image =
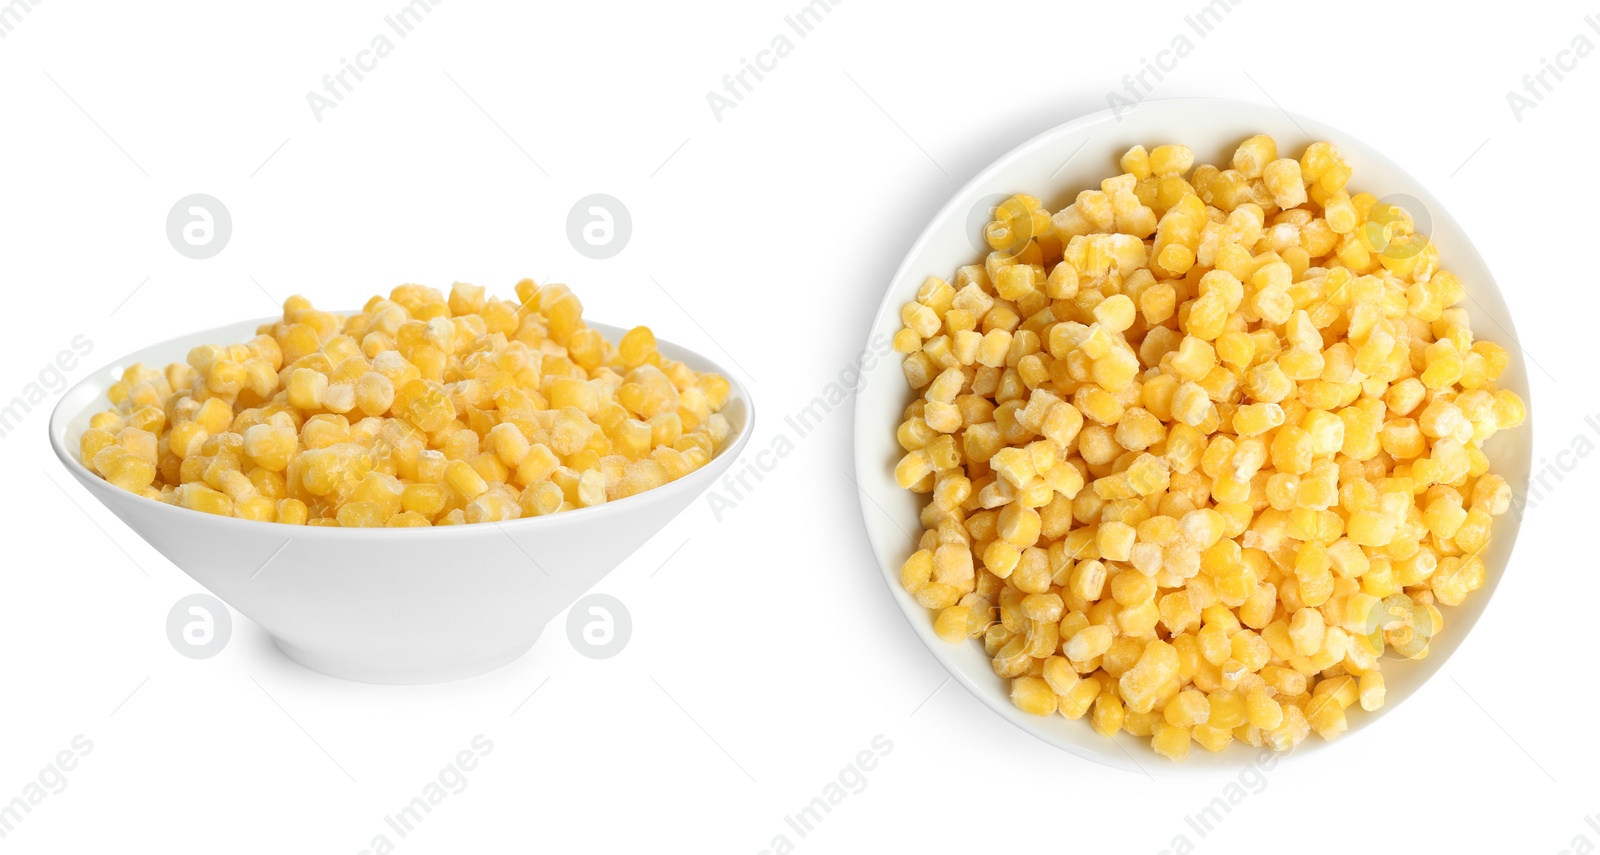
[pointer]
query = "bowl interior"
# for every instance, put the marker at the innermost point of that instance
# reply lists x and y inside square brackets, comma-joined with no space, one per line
[78,404]
[1055,166]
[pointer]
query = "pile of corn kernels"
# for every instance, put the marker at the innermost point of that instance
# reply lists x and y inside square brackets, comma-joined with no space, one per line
[419,410]
[1201,448]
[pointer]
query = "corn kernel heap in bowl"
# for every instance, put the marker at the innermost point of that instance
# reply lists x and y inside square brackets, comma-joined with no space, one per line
[1201,448]
[419,410]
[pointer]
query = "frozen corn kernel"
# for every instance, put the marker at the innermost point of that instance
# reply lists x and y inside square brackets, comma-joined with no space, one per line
[1170,741]
[1290,732]
[541,498]
[424,499]
[1212,467]
[131,472]
[305,388]
[951,625]
[270,446]
[360,515]
[199,497]
[418,410]
[1170,159]
[465,481]
[1033,695]
[1108,714]
[1077,701]
[1088,643]
[374,393]
[1189,708]
[1256,419]
[292,512]
[1283,180]
[1254,154]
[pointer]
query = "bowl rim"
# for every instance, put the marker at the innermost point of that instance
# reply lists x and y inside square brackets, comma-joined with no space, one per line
[691,484]
[996,702]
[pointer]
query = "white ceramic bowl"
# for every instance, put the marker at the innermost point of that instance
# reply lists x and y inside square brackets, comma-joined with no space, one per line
[418,605]
[1055,166]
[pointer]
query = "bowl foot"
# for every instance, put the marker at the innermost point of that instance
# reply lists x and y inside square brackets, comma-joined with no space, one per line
[395,670]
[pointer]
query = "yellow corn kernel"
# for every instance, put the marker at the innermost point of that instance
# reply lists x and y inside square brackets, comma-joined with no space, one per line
[1170,741]
[1340,214]
[1371,528]
[1170,159]
[1194,359]
[199,497]
[95,440]
[1472,536]
[1284,181]
[1090,642]
[1262,710]
[1114,540]
[1108,714]
[1509,411]
[1142,684]
[1326,716]
[1294,730]
[951,624]
[306,387]
[1371,691]
[1077,701]
[1188,709]
[1253,155]
[130,472]
[1191,405]
[1306,630]
[426,405]
[1256,419]
[292,512]
[637,347]
[361,515]
[1207,317]
[540,498]
[465,481]
[374,393]
[1136,161]
[424,499]
[1033,695]
[270,446]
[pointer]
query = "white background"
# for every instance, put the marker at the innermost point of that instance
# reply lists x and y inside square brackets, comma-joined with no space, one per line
[765,653]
